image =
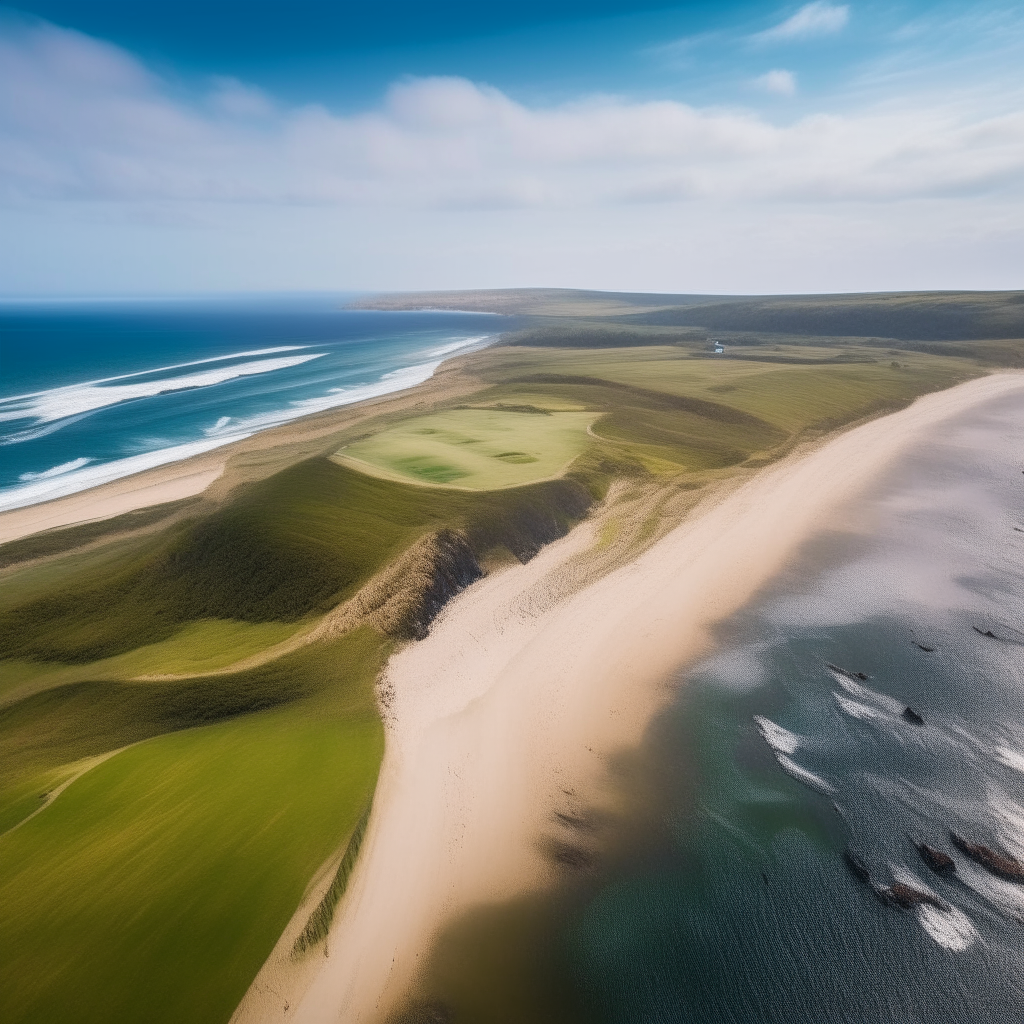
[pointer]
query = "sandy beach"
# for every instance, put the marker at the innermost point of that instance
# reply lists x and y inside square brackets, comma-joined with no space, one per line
[522,693]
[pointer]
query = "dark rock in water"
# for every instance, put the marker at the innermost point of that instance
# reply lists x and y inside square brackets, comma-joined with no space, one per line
[907,897]
[910,715]
[924,647]
[1000,864]
[985,632]
[941,863]
[846,672]
[856,865]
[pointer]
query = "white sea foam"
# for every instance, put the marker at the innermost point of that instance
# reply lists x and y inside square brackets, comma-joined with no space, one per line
[76,399]
[224,431]
[779,739]
[866,695]
[47,474]
[92,476]
[397,380]
[455,346]
[1011,758]
[1010,820]
[164,369]
[856,709]
[803,775]
[950,928]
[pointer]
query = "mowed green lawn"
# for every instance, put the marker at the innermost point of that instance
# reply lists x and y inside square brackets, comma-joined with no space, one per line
[156,885]
[474,449]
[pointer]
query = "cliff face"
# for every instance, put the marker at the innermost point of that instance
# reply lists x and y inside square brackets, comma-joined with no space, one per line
[448,566]
[404,597]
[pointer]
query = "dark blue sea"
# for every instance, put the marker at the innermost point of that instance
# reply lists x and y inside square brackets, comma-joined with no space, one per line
[90,392]
[738,906]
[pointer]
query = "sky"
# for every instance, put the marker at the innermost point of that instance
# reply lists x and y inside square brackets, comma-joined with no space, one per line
[208,146]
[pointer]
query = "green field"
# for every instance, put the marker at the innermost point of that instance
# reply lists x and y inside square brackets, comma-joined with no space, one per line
[474,449]
[155,885]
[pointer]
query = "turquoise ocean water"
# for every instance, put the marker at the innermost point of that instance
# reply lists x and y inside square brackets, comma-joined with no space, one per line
[90,392]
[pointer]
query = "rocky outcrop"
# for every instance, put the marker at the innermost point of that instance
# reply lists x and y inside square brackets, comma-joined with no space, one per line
[910,715]
[862,676]
[939,862]
[907,897]
[999,864]
[857,866]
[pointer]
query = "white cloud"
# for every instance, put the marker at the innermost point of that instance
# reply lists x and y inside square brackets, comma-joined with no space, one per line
[778,81]
[236,99]
[108,174]
[819,18]
[80,120]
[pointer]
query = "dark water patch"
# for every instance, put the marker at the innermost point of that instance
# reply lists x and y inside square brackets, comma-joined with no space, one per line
[790,756]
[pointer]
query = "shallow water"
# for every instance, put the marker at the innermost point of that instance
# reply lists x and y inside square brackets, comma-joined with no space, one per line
[742,908]
[93,392]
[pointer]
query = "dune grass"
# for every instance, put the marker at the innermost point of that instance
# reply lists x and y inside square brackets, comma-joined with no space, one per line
[291,546]
[155,886]
[477,449]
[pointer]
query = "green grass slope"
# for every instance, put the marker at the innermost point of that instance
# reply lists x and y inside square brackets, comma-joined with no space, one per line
[156,885]
[291,546]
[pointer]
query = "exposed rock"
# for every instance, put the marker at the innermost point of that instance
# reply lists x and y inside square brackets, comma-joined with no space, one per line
[856,865]
[924,647]
[863,676]
[941,863]
[910,715]
[1000,864]
[907,897]
[985,632]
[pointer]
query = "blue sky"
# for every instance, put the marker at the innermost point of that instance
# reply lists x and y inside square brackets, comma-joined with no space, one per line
[152,148]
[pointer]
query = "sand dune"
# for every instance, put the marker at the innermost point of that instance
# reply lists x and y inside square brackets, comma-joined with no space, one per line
[519,694]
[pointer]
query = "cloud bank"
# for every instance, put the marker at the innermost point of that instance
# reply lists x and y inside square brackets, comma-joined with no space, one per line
[99,154]
[81,120]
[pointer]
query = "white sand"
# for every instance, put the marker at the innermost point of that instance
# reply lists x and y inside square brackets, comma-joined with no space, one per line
[516,697]
[154,487]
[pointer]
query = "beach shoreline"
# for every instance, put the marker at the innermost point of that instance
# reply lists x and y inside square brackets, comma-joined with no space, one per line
[216,472]
[524,691]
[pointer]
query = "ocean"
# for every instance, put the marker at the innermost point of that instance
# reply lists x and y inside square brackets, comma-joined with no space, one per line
[738,905]
[90,392]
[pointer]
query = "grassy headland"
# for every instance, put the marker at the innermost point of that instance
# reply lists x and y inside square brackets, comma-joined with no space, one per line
[157,883]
